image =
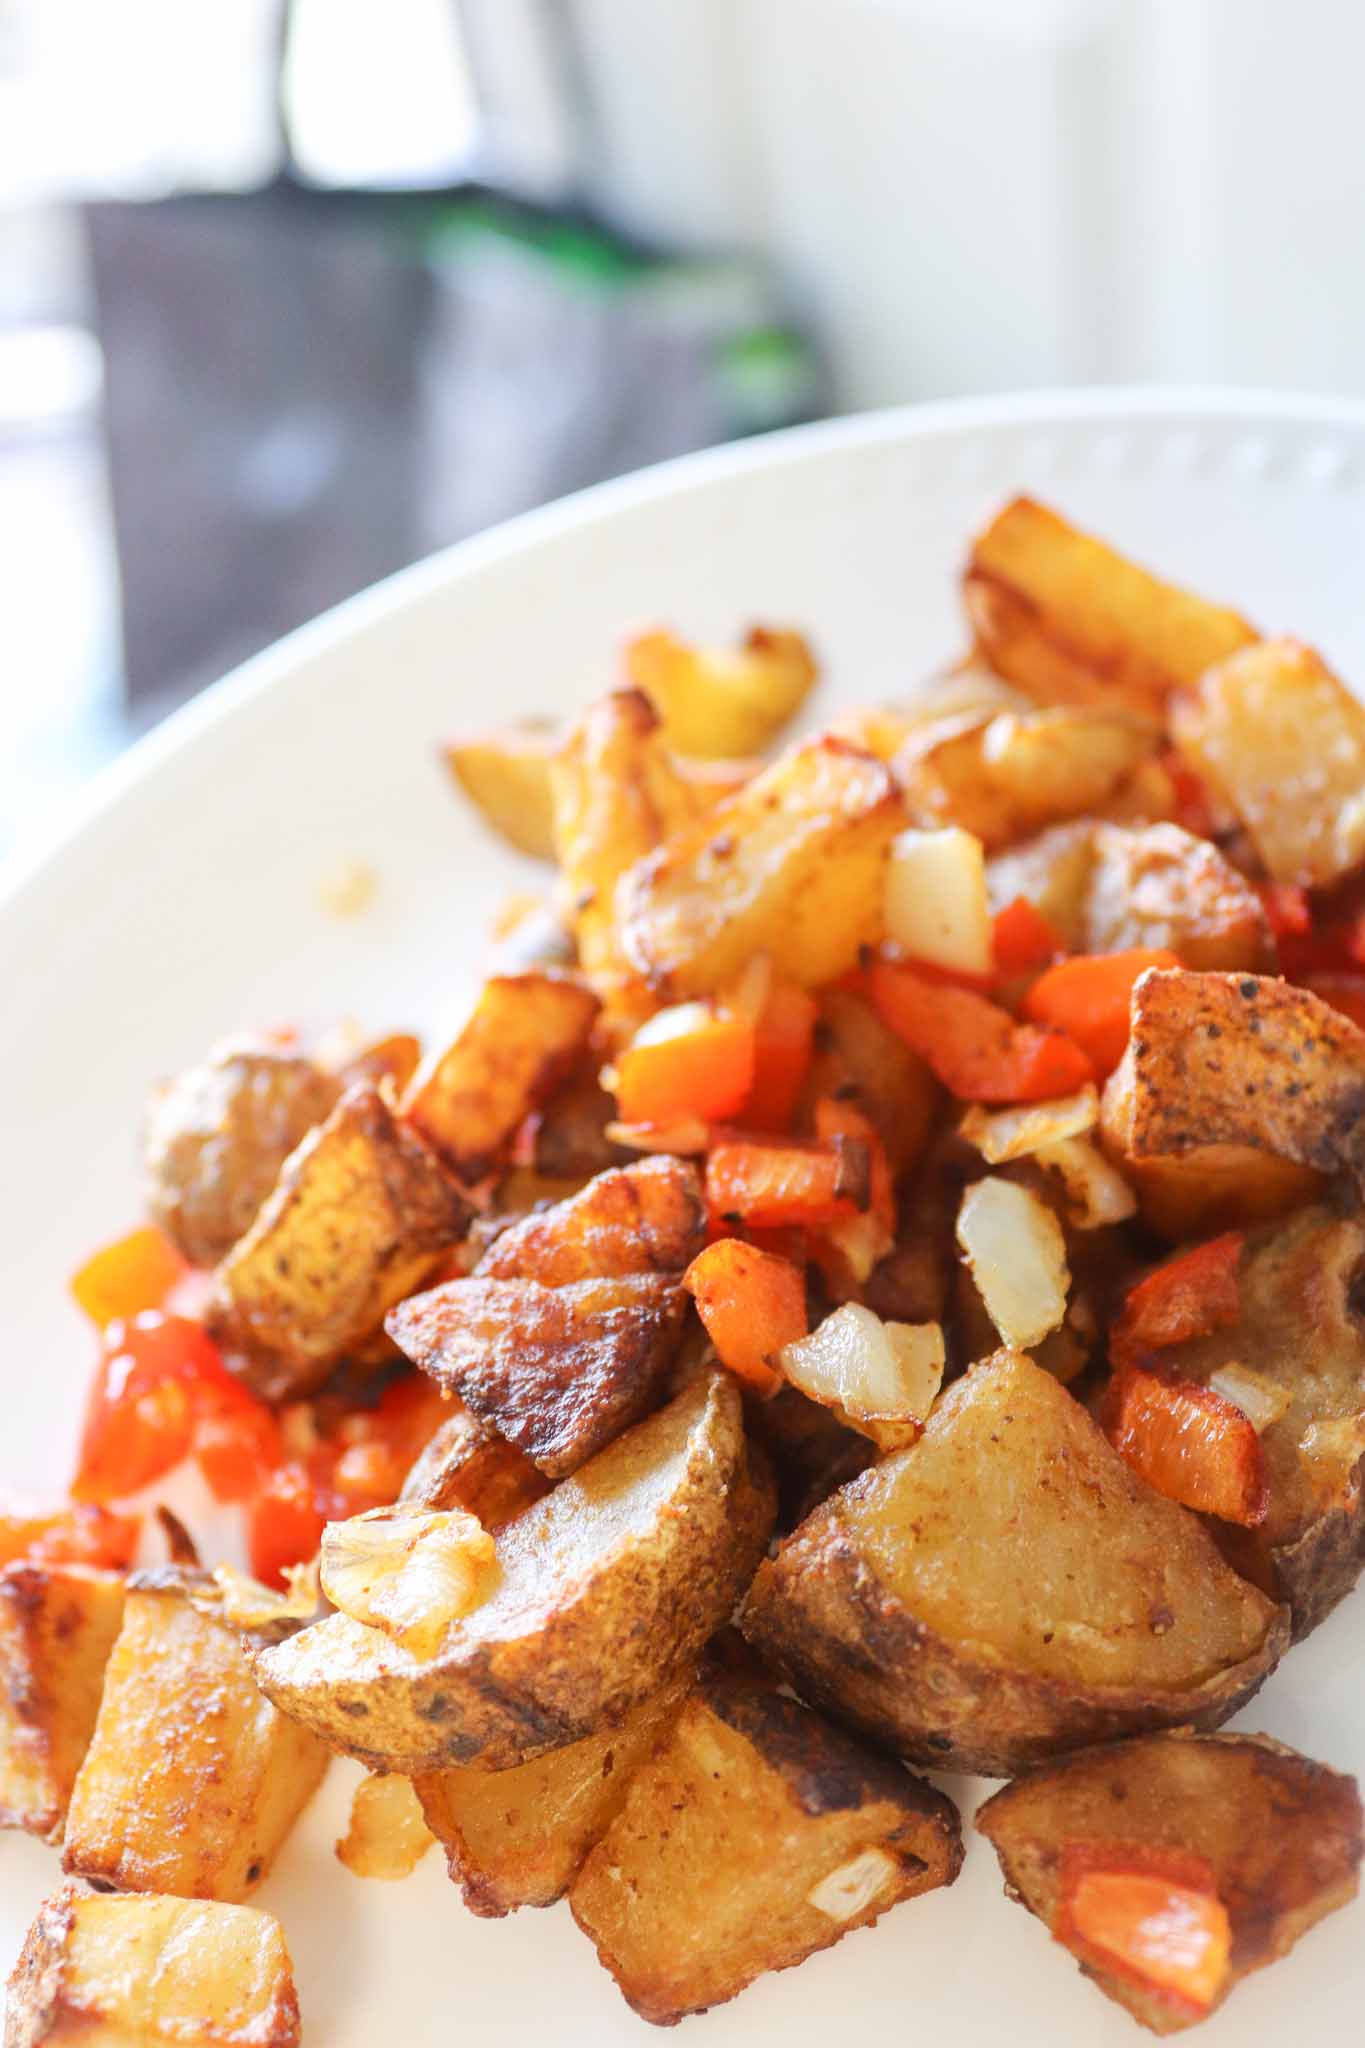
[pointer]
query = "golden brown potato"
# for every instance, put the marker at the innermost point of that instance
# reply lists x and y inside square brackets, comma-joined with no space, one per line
[57,1626]
[1110,887]
[756,1835]
[1282,1836]
[558,1371]
[216,1137]
[151,1973]
[1237,1060]
[1064,617]
[524,1034]
[812,1451]
[387,1836]
[1007,1589]
[719,700]
[468,1465]
[608,1588]
[506,776]
[1020,771]
[1213,1187]
[570,1139]
[393,1058]
[647,1217]
[192,1781]
[360,1214]
[793,866]
[519,1838]
[1282,741]
[1300,1334]
[895,1087]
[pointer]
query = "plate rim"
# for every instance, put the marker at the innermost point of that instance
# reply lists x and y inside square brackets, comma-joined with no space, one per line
[925,420]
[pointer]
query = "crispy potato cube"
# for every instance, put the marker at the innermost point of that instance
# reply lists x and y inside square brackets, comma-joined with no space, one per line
[506,776]
[468,1465]
[968,1605]
[519,1837]
[1215,1187]
[216,1137]
[608,1589]
[1020,771]
[57,1626]
[722,701]
[1067,619]
[558,1371]
[358,1218]
[523,1036]
[1281,1834]
[644,1218]
[387,1836]
[895,1087]
[756,1835]
[1282,741]
[151,1973]
[192,1780]
[793,866]
[1237,1060]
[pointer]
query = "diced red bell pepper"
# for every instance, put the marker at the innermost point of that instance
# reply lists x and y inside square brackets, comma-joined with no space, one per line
[1149,1915]
[1287,909]
[1190,1295]
[847,1252]
[284,1524]
[1089,999]
[751,1304]
[783,1043]
[125,1278]
[976,1049]
[1193,806]
[1022,938]
[1188,1443]
[751,1183]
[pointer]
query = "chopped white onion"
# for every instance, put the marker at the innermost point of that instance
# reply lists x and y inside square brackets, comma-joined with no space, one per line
[1097,1192]
[1261,1400]
[936,903]
[851,1888]
[1017,1254]
[688,1137]
[880,1378]
[1002,1134]
[408,1571]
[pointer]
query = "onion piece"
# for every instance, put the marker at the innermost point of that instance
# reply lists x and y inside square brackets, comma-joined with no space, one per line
[936,903]
[880,1378]
[1017,1255]
[408,1571]
[1004,1134]
[1097,1192]
[853,1886]
[388,1835]
[688,1137]
[1261,1400]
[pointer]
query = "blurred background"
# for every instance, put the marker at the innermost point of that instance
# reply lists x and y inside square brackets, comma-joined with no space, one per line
[294,291]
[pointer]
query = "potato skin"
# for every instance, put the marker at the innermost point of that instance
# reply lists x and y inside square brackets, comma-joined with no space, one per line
[217,1135]
[1283,1834]
[824,1614]
[590,1617]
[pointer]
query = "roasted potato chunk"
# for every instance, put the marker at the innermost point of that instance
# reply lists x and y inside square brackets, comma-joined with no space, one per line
[756,1835]
[718,700]
[192,1781]
[1108,888]
[1065,618]
[895,1088]
[1277,736]
[358,1217]
[558,1371]
[570,1139]
[1007,1589]
[812,1451]
[524,1034]
[608,1588]
[216,1138]
[1282,1836]
[57,1626]
[151,1973]
[644,1218]
[793,866]
[506,776]
[1302,1338]
[1237,1060]
[519,1837]
[468,1465]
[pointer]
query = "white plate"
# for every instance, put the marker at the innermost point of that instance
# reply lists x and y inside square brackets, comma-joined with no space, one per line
[184,903]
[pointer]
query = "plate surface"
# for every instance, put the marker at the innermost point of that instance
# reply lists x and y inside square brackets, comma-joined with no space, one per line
[185,903]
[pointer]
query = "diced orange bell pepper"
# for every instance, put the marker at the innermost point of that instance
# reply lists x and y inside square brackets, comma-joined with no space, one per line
[691,1060]
[125,1278]
[1089,998]
[783,1043]
[1190,1295]
[1287,909]
[750,1183]
[751,1304]
[1152,1916]
[1345,992]
[72,1533]
[1022,938]
[1188,1443]
[974,1047]
[846,1252]
[1193,806]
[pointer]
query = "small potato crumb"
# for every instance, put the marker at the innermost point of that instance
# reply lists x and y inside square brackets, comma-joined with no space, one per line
[349,889]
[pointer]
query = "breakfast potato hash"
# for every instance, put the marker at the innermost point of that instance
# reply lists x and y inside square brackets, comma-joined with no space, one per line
[899,1192]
